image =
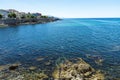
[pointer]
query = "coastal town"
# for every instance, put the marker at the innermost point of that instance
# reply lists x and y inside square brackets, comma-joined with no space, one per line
[14,17]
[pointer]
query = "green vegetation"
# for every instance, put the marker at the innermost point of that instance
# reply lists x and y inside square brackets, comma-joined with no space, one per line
[29,16]
[23,17]
[32,16]
[44,16]
[1,16]
[12,15]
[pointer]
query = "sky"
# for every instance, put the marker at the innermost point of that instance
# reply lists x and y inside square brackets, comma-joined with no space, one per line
[66,8]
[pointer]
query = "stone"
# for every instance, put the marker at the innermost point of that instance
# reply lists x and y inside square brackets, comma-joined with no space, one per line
[99,61]
[32,68]
[39,59]
[97,58]
[34,76]
[48,63]
[41,76]
[3,67]
[79,70]
[14,66]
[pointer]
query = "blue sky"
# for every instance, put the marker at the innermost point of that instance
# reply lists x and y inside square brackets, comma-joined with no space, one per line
[66,8]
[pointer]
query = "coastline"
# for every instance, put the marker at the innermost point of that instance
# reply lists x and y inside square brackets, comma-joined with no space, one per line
[3,25]
[68,70]
[35,47]
[14,22]
[12,17]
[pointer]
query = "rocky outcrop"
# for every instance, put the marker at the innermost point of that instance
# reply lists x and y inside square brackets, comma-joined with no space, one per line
[14,66]
[26,21]
[79,70]
[16,72]
[9,66]
[75,69]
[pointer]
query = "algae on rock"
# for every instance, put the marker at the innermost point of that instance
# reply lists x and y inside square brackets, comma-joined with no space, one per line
[79,70]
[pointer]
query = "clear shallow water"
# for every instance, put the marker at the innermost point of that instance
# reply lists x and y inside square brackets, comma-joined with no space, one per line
[91,39]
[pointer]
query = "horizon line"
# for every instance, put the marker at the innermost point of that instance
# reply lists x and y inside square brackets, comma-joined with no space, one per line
[88,17]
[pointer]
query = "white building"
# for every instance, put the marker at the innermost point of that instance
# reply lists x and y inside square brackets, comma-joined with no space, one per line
[4,13]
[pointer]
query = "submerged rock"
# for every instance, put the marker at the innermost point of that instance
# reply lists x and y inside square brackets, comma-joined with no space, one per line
[97,58]
[14,66]
[34,76]
[23,74]
[3,67]
[41,76]
[99,61]
[9,66]
[47,63]
[32,68]
[79,70]
[39,59]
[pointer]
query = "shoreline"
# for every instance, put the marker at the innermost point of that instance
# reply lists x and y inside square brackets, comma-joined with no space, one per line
[14,22]
[77,70]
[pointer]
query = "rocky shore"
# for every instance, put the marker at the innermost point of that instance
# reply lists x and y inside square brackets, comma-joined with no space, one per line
[69,70]
[14,17]
[79,70]
[9,22]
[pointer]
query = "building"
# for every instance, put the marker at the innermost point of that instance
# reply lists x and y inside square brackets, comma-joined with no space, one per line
[4,13]
[37,15]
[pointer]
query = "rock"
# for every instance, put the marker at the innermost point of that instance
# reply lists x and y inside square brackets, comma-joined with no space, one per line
[20,54]
[39,59]
[19,77]
[99,61]
[48,63]
[34,76]
[14,66]
[97,76]
[41,76]
[3,75]
[97,58]
[76,71]
[32,68]
[3,67]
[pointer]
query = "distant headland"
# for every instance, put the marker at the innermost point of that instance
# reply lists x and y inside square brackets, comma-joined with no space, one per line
[14,17]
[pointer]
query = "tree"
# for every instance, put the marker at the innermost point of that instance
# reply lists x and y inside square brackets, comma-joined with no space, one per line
[44,16]
[23,17]
[1,16]
[9,15]
[29,16]
[12,15]
[32,16]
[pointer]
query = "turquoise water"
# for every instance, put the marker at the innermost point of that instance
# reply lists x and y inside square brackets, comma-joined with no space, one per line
[91,39]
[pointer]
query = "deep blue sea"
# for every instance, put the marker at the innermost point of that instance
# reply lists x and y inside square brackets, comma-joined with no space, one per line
[92,39]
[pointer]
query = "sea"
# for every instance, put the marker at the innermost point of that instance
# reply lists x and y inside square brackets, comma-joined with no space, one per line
[95,40]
